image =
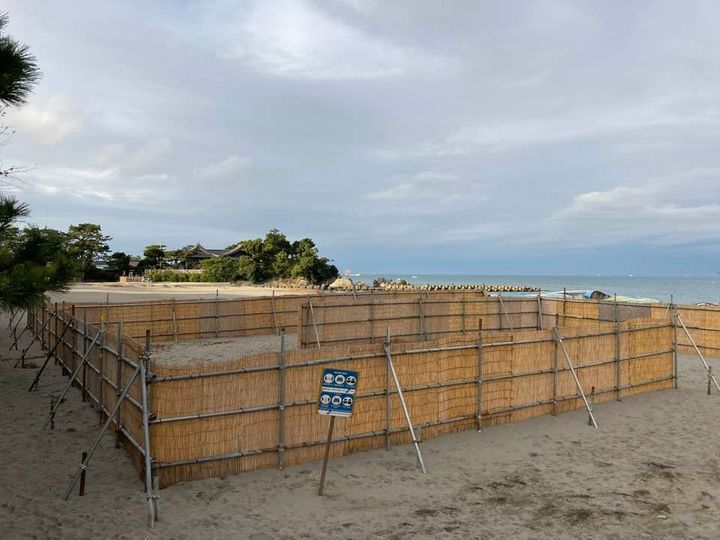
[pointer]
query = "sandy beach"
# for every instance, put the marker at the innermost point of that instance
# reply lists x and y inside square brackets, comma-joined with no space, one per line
[143,292]
[650,471]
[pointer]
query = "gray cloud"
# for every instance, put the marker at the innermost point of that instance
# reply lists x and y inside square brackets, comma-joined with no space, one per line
[476,132]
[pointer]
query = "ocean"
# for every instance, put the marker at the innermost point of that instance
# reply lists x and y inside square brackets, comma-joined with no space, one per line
[685,289]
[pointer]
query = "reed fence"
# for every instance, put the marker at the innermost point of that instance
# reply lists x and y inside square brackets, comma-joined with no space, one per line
[464,360]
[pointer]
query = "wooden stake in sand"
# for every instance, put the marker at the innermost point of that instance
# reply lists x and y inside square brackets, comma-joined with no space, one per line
[84,463]
[327,455]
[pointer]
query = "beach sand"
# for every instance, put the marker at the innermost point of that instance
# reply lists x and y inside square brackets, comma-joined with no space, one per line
[219,349]
[143,292]
[652,470]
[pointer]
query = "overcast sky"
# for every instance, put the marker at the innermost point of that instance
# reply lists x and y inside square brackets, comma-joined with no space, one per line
[418,136]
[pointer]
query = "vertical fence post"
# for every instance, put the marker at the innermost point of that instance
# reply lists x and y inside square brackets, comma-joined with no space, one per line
[118,382]
[217,311]
[564,304]
[174,320]
[62,348]
[101,370]
[372,316]
[303,326]
[146,437]
[84,350]
[539,313]
[83,457]
[73,347]
[617,351]
[674,341]
[388,398]
[479,375]
[281,402]
[423,334]
[709,379]
[56,321]
[274,315]
[555,372]
[499,314]
[462,299]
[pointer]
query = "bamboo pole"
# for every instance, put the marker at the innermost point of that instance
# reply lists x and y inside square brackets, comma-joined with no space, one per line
[274,316]
[416,442]
[118,383]
[217,311]
[539,312]
[281,402]
[174,321]
[317,336]
[36,336]
[577,381]
[47,358]
[51,417]
[372,317]
[707,368]
[388,398]
[101,372]
[327,455]
[84,463]
[84,350]
[555,372]
[423,335]
[479,375]
[507,315]
[150,496]
[671,308]
[617,350]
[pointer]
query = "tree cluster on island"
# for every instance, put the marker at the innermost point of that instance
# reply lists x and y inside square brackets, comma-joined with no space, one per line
[258,260]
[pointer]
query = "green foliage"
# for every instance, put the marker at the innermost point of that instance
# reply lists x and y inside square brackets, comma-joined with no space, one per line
[19,71]
[258,260]
[154,256]
[170,275]
[119,262]
[308,265]
[33,261]
[221,269]
[254,265]
[86,242]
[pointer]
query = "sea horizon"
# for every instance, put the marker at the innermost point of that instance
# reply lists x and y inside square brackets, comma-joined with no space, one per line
[689,289]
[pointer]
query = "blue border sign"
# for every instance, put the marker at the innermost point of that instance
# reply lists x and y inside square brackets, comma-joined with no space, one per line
[337,392]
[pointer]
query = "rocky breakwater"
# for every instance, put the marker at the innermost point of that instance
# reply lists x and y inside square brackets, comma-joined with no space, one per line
[346,284]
